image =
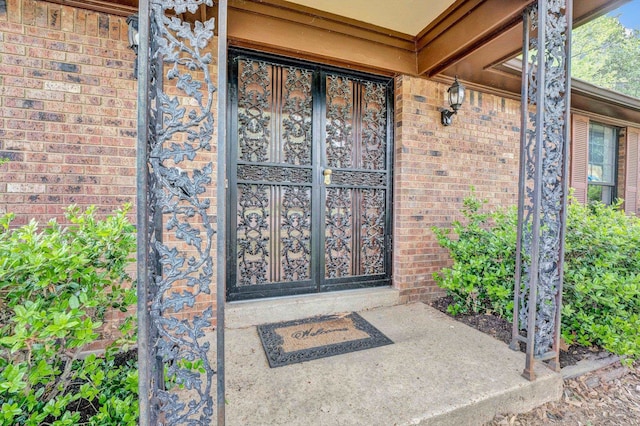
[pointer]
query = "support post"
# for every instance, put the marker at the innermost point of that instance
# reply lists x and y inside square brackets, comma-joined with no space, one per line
[142,221]
[221,197]
[175,133]
[543,184]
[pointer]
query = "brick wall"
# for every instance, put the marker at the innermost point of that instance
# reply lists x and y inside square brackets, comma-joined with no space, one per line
[67,122]
[67,110]
[435,166]
[68,118]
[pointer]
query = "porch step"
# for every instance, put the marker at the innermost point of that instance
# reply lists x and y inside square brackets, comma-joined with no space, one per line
[254,312]
[438,372]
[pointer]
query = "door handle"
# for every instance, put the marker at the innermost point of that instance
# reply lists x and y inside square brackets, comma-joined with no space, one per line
[327,176]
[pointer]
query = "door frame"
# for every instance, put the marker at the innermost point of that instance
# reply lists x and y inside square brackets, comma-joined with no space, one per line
[235,293]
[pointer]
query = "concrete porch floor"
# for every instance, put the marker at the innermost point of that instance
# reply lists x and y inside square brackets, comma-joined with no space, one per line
[437,372]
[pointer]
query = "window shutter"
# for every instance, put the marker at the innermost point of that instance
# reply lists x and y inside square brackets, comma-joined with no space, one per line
[631,183]
[579,157]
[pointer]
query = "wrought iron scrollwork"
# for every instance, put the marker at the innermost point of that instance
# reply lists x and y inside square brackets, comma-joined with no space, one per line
[374,127]
[254,101]
[253,234]
[296,233]
[339,126]
[293,231]
[358,178]
[180,129]
[339,232]
[373,231]
[256,173]
[543,181]
[274,129]
[297,117]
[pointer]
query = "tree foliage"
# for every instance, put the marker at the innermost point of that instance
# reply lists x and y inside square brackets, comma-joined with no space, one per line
[607,54]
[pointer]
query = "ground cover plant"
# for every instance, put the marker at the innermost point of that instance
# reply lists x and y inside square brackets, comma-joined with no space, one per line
[601,296]
[56,284]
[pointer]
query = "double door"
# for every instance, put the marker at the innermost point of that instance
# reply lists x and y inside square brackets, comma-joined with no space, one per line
[309,178]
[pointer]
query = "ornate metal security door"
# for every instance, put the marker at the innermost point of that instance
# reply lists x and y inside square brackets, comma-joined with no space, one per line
[309,178]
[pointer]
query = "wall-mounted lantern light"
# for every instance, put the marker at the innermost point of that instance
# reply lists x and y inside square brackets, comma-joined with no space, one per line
[456,97]
[134,39]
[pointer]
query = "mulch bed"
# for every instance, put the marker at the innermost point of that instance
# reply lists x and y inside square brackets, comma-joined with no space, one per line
[87,408]
[500,329]
[609,396]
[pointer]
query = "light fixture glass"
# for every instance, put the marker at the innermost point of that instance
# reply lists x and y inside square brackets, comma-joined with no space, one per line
[134,39]
[456,97]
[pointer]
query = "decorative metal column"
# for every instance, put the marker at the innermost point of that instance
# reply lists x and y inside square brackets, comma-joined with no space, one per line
[543,181]
[175,229]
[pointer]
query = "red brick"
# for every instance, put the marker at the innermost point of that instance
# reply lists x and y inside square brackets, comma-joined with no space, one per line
[81,159]
[14,10]
[46,116]
[55,17]
[7,28]
[29,12]
[15,49]
[43,52]
[45,178]
[103,26]
[11,134]
[82,58]
[62,107]
[64,148]
[92,25]
[67,20]
[81,21]
[25,188]
[41,14]
[24,125]
[43,75]
[24,103]
[13,113]
[11,70]
[63,46]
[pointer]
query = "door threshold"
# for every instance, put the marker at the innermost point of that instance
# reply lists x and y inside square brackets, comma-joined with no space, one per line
[249,313]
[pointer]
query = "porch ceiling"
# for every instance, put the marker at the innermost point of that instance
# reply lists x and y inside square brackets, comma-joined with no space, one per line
[404,16]
[433,38]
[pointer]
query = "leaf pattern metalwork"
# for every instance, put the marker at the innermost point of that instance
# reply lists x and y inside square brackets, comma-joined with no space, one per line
[374,127]
[297,117]
[253,234]
[373,231]
[543,174]
[250,172]
[296,233]
[339,232]
[359,178]
[254,118]
[180,132]
[339,127]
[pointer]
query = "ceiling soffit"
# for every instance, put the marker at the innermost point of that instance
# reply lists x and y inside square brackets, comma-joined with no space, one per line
[404,16]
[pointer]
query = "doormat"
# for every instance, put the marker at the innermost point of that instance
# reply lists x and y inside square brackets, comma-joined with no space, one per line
[289,342]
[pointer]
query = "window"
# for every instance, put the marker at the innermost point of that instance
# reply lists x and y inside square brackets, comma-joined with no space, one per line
[602,163]
[605,163]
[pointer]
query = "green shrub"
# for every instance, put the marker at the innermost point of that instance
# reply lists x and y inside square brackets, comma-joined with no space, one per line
[481,277]
[601,297]
[56,285]
[602,279]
